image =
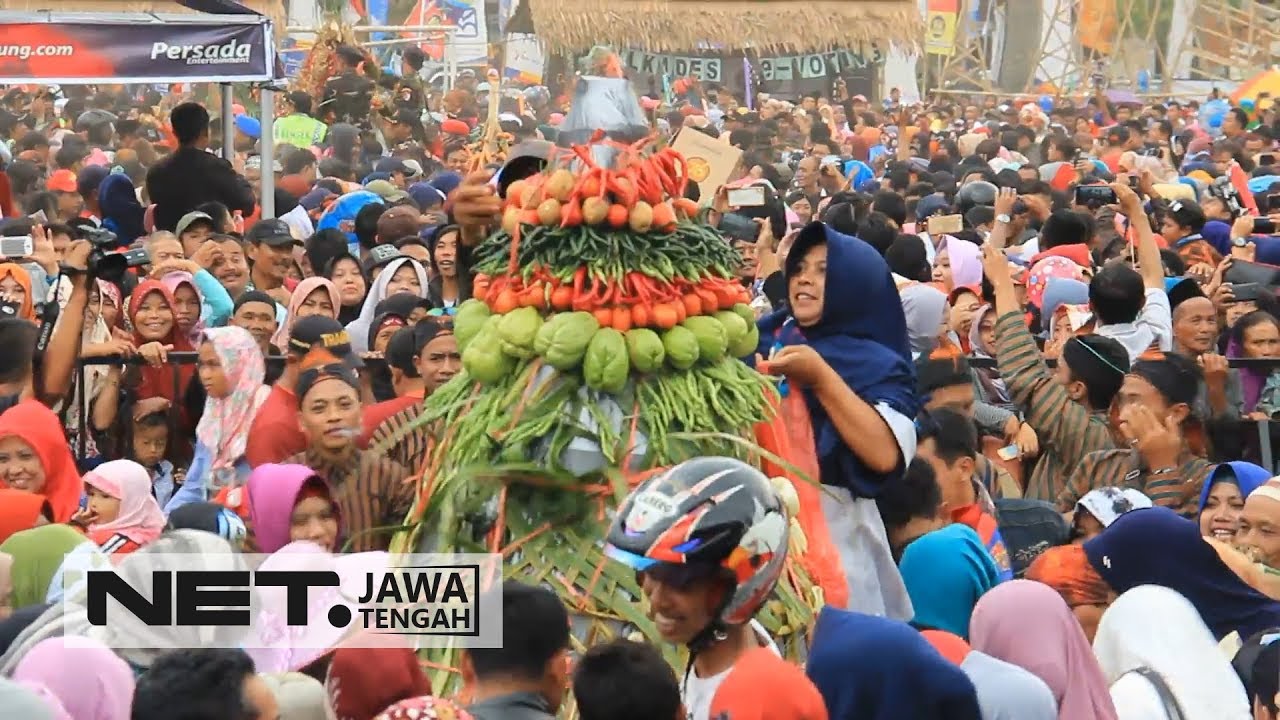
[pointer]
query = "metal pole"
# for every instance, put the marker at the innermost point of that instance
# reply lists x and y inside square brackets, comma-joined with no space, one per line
[228,124]
[266,146]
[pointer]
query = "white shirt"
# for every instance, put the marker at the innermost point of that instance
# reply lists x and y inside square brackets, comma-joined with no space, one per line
[698,692]
[1152,328]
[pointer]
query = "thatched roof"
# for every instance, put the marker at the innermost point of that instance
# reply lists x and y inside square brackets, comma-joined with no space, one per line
[685,25]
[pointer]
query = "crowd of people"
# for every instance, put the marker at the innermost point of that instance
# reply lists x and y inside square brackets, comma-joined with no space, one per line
[1030,337]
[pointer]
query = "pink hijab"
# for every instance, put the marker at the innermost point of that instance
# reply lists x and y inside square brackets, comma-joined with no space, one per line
[1028,624]
[140,519]
[299,296]
[100,687]
[276,646]
[966,262]
[273,491]
[173,281]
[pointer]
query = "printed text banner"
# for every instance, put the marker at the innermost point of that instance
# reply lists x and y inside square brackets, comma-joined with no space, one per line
[785,76]
[87,52]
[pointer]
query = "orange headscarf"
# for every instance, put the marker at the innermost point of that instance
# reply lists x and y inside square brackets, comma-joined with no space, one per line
[38,426]
[23,278]
[1066,569]
[19,510]
[951,646]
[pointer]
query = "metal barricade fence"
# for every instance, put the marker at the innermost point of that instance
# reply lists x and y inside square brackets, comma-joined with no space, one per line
[190,358]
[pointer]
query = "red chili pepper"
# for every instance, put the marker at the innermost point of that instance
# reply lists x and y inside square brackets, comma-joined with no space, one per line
[581,300]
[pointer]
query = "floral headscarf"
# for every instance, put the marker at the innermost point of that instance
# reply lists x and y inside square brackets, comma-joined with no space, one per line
[224,426]
[424,708]
[19,274]
[1051,267]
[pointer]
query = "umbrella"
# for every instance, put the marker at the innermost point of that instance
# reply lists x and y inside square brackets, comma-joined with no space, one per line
[1123,97]
[1267,81]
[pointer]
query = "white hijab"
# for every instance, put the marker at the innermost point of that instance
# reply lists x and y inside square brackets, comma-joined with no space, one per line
[1155,627]
[358,329]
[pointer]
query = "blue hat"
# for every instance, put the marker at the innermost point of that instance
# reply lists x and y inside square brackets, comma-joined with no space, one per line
[930,204]
[249,126]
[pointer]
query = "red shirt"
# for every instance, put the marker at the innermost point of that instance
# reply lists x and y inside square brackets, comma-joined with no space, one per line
[275,434]
[375,415]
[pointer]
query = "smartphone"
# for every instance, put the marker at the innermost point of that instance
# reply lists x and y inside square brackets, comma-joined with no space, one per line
[1133,181]
[9,308]
[1267,159]
[17,247]
[945,224]
[1095,195]
[752,196]
[1273,203]
[1008,452]
[39,218]
[1264,226]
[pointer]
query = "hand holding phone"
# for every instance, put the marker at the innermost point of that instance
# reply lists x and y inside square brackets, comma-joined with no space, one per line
[751,196]
[17,247]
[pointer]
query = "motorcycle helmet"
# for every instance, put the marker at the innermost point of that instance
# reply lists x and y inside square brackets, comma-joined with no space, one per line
[979,192]
[98,126]
[706,517]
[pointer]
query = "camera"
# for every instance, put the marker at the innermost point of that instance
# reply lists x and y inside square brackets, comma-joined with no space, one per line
[109,265]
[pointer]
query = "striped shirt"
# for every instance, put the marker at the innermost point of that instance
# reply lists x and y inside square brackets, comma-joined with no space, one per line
[1068,431]
[1178,489]
[370,492]
[408,448]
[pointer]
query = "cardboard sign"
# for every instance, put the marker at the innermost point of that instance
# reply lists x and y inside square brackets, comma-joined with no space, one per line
[709,162]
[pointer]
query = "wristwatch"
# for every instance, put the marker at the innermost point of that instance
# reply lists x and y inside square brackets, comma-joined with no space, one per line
[1240,242]
[1004,219]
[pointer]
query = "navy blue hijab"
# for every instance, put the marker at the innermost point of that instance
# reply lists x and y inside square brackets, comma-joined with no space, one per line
[862,335]
[874,668]
[1156,546]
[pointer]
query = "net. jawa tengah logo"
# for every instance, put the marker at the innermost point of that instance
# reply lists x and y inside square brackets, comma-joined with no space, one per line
[232,51]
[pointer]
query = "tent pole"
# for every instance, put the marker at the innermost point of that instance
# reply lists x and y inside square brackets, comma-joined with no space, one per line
[266,146]
[228,124]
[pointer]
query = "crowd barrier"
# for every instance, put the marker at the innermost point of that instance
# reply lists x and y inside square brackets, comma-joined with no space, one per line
[1263,427]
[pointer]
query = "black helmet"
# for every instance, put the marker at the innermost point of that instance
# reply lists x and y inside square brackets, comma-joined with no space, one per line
[90,119]
[978,192]
[712,514]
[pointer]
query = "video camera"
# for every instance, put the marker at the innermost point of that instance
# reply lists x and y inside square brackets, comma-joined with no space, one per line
[1222,189]
[108,265]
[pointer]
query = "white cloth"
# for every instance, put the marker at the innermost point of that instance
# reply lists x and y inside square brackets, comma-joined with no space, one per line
[358,329]
[1155,627]
[1008,692]
[1152,328]
[875,585]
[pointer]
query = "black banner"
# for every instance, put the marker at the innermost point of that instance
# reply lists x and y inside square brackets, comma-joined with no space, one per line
[77,51]
[782,76]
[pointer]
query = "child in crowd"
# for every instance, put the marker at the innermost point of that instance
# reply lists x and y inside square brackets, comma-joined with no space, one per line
[149,446]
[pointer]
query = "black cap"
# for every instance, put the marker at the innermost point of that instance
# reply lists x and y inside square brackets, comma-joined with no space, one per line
[322,370]
[526,159]
[400,351]
[318,331]
[273,232]
[300,100]
[380,255]
[392,165]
